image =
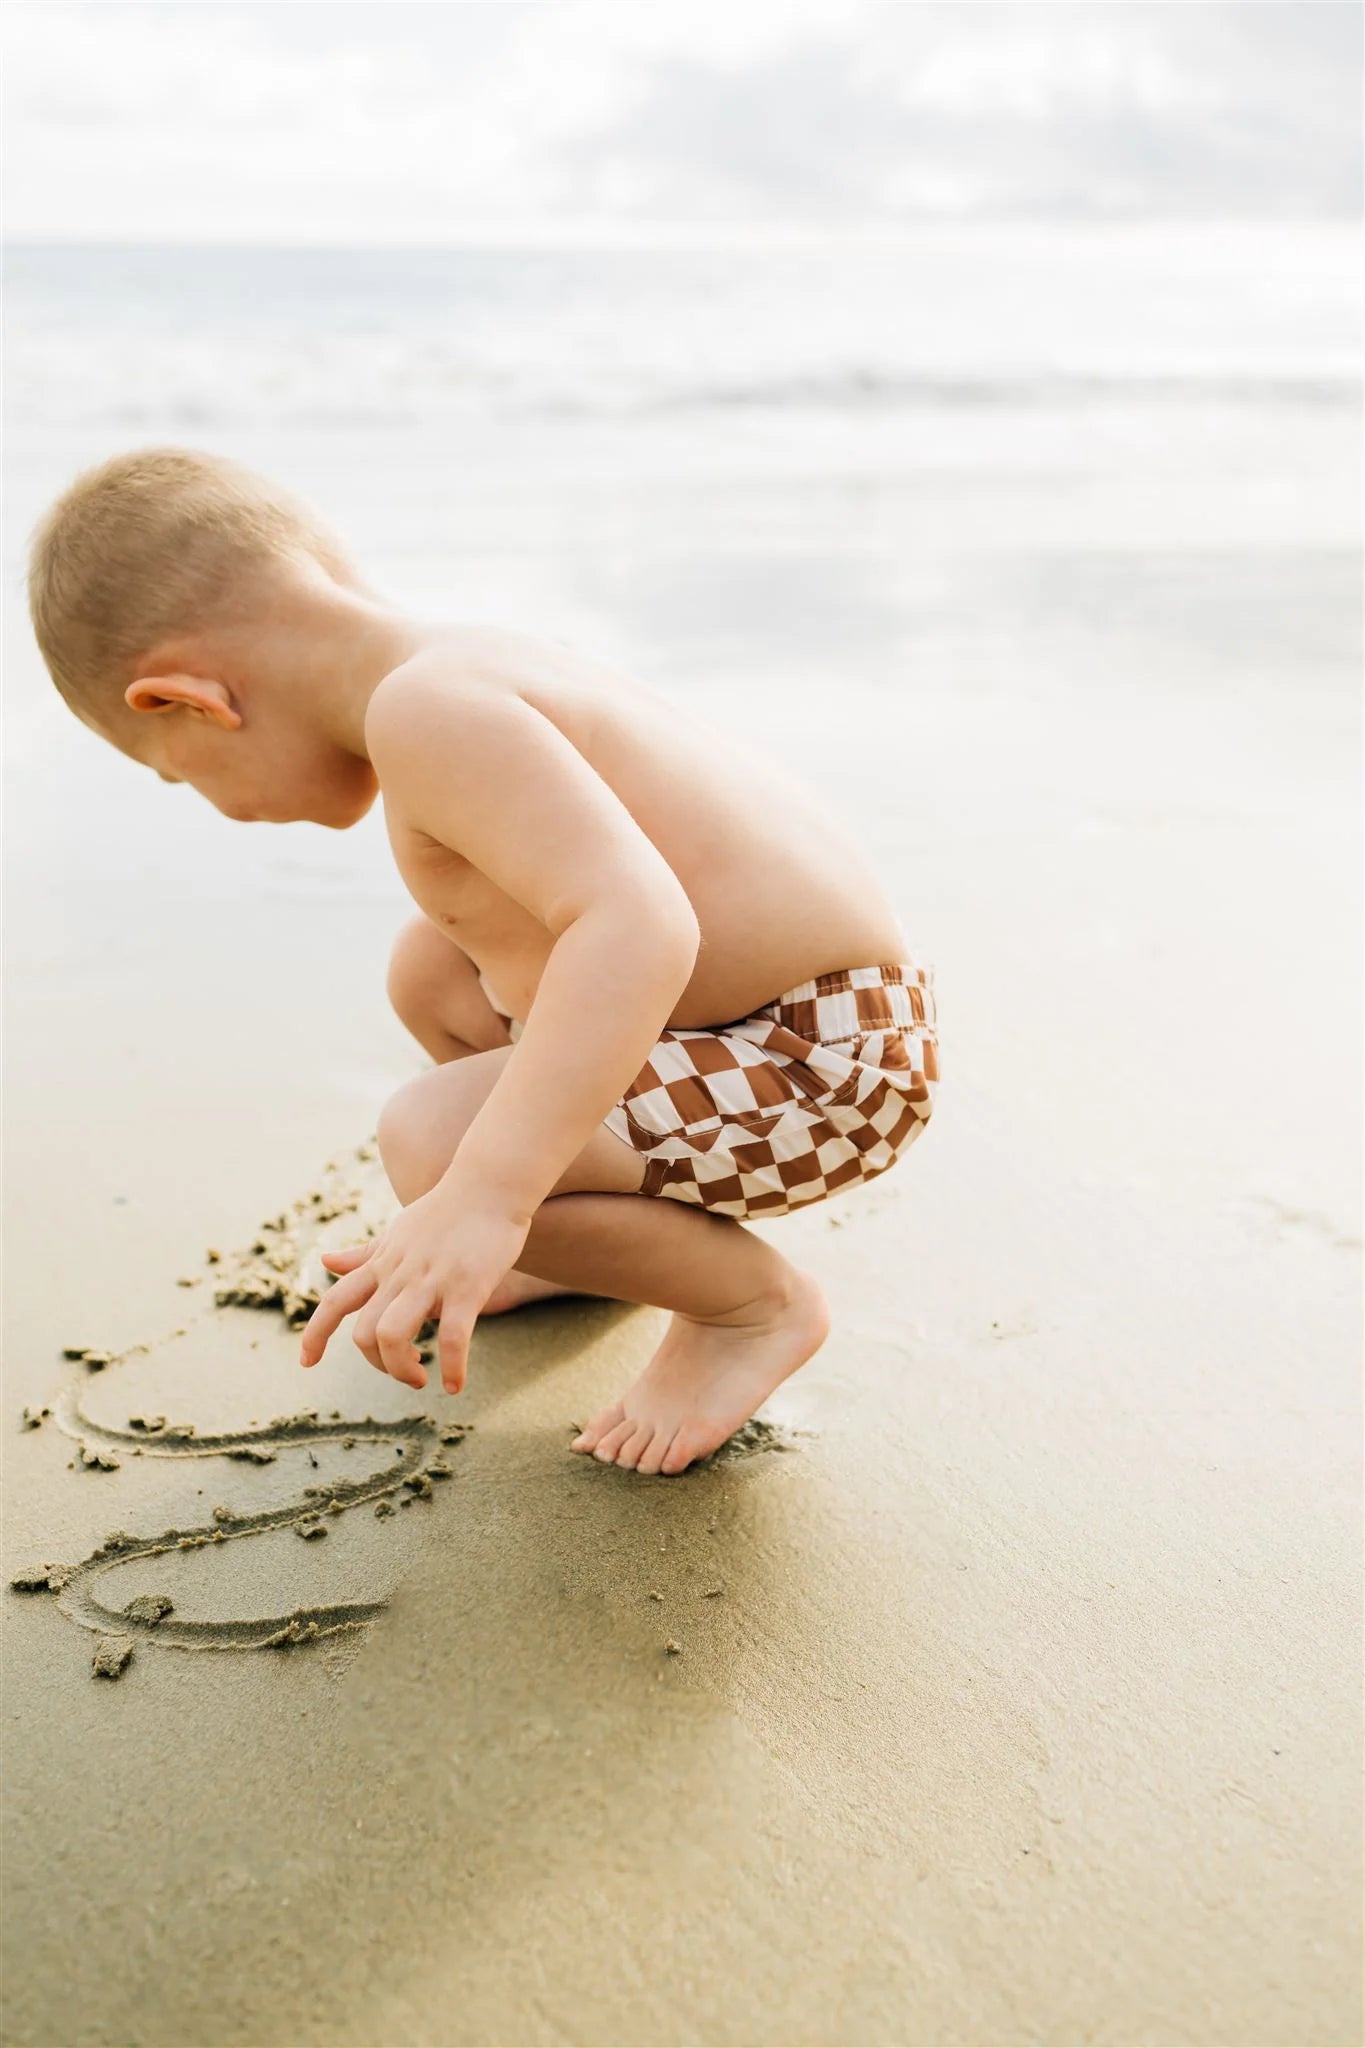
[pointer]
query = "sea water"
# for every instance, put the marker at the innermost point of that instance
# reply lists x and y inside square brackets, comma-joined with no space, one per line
[822,467]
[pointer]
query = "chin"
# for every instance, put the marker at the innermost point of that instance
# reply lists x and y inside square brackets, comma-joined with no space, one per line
[350,813]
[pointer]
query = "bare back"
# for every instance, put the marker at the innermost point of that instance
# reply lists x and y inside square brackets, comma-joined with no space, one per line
[779,891]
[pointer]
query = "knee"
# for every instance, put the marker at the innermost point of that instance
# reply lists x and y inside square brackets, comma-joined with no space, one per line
[418,965]
[403,1138]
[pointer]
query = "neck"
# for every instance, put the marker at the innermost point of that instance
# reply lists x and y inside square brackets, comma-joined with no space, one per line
[331,649]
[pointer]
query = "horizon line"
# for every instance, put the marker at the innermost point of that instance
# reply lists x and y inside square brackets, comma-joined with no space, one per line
[678,235]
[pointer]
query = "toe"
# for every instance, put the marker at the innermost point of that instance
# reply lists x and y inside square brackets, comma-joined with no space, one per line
[652,1458]
[598,1427]
[683,1449]
[635,1447]
[614,1439]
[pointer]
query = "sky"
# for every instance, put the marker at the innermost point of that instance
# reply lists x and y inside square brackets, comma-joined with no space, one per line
[430,121]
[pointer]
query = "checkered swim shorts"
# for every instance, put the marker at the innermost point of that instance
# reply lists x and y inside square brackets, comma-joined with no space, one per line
[827,1085]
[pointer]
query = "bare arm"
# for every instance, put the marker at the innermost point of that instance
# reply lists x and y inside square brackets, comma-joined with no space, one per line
[487,775]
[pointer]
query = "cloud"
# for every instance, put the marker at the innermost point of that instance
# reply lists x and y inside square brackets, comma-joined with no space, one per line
[403,122]
[1020,109]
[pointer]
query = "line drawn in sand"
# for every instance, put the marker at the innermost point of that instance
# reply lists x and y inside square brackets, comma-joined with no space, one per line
[75,1585]
[280,1270]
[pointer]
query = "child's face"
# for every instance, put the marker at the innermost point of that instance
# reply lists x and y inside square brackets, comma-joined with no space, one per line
[263,769]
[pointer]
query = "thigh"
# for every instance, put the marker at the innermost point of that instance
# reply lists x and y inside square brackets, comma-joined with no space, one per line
[432,981]
[421,1127]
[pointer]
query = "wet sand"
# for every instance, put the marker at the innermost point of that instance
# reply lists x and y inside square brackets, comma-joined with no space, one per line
[1007,1692]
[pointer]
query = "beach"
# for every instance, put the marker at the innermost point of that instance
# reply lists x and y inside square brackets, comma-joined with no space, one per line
[1005,1687]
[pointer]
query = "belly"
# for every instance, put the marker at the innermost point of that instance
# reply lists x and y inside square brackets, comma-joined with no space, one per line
[780,892]
[748,956]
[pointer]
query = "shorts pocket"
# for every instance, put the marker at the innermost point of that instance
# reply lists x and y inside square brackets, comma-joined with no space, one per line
[703,1133]
[839,1097]
[894,1056]
[816,1073]
[758,1123]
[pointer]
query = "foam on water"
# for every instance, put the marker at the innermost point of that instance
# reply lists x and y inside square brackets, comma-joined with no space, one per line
[192,340]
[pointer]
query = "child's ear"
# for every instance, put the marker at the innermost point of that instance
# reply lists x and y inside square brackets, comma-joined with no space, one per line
[198,693]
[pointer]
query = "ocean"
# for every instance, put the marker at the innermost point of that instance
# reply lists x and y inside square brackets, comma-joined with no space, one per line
[977,456]
[139,340]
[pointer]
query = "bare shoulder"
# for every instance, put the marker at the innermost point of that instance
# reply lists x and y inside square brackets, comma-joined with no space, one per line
[533,665]
[473,767]
[469,673]
[443,678]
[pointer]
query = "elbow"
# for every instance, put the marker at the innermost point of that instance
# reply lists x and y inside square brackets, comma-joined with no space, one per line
[682,921]
[671,923]
[660,926]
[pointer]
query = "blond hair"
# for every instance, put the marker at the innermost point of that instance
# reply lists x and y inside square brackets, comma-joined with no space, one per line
[149,545]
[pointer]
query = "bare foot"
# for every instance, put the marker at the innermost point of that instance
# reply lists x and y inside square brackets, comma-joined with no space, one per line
[514,1288]
[705,1380]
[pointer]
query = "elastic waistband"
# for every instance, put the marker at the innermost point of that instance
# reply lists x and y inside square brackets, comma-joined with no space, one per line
[892,974]
[851,1002]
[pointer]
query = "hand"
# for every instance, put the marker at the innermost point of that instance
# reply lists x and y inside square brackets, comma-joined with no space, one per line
[442,1257]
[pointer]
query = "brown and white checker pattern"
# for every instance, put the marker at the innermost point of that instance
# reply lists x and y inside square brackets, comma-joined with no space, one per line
[827,1085]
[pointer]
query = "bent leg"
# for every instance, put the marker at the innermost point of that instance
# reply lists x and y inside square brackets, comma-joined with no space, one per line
[435,990]
[421,1126]
[744,1318]
[420,1129]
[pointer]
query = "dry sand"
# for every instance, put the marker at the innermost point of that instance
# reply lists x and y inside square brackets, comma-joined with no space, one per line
[1015,1689]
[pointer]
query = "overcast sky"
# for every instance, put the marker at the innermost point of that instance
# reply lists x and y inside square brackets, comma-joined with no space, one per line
[303,120]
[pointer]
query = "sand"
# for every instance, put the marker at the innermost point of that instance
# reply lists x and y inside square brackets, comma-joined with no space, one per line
[1006,1689]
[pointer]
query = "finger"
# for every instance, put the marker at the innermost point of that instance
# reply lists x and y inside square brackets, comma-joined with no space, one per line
[347,1257]
[453,1344]
[338,1303]
[365,1331]
[394,1333]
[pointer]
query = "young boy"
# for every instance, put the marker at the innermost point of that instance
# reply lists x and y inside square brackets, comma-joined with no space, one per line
[647,964]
